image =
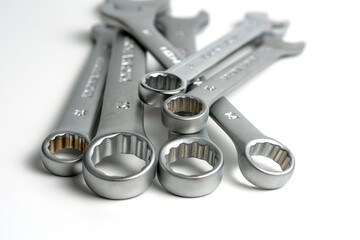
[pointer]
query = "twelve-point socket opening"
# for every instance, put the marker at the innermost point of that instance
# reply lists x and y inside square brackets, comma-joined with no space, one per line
[262,152]
[184,106]
[184,159]
[163,81]
[122,155]
[67,146]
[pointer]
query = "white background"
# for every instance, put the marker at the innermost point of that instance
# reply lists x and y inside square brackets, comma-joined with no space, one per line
[310,103]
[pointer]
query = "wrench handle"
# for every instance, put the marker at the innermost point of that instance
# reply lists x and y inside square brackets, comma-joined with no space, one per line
[195,64]
[122,109]
[84,105]
[236,73]
[237,127]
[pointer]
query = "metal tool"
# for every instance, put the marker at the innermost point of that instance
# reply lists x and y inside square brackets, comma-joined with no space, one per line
[138,18]
[251,142]
[77,126]
[188,113]
[247,139]
[121,127]
[157,86]
[182,30]
[198,147]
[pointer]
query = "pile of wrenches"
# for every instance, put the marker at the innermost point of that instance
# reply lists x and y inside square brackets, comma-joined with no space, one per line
[106,113]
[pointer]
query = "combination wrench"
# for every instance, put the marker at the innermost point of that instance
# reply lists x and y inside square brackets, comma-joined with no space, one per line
[77,125]
[159,85]
[121,126]
[247,139]
[188,113]
[138,18]
[181,33]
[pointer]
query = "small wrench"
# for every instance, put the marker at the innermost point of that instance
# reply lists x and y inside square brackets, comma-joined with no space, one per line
[188,113]
[250,142]
[181,32]
[157,86]
[121,126]
[77,126]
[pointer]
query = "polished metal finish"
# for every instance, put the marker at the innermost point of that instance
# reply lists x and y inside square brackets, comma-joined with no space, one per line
[188,113]
[77,125]
[121,126]
[251,142]
[157,86]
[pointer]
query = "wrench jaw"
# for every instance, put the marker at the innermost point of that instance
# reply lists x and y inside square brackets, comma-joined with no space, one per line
[119,187]
[197,149]
[117,13]
[260,176]
[185,114]
[156,87]
[54,153]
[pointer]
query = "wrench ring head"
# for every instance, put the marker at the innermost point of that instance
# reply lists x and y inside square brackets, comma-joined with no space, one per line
[190,185]
[63,166]
[185,114]
[158,86]
[264,178]
[119,187]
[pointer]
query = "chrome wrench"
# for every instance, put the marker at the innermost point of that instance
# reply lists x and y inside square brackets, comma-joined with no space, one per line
[121,126]
[188,113]
[247,139]
[250,142]
[157,86]
[181,32]
[138,18]
[77,125]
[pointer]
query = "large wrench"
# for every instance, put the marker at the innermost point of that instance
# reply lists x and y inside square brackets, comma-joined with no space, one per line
[181,32]
[138,18]
[247,139]
[157,86]
[188,113]
[121,126]
[77,125]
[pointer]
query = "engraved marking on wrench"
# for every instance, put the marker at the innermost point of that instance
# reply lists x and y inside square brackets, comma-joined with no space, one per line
[94,77]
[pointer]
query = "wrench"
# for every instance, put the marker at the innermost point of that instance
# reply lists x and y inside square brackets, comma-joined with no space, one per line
[159,85]
[77,125]
[250,142]
[244,135]
[121,126]
[137,18]
[181,32]
[188,113]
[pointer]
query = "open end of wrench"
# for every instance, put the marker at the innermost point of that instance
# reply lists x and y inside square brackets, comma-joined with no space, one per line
[113,186]
[184,114]
[261,176]
[62,153]
[158,86]
[193,149]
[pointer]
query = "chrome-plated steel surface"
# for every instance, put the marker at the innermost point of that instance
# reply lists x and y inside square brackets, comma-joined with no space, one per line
[157,86]
[196,147]
[251,142]
[77,125]
[121,126]
[188,113]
